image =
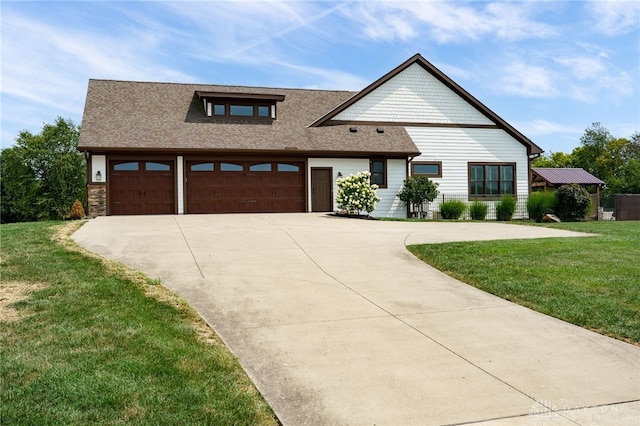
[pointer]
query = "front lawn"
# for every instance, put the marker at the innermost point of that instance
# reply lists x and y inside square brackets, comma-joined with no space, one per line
[86,341]
[593,282]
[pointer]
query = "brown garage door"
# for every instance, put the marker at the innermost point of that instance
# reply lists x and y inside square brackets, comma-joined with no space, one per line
[141,187]
[244,186]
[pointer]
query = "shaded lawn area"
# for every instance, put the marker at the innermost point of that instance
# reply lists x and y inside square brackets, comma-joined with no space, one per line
[593,282]
[95,343]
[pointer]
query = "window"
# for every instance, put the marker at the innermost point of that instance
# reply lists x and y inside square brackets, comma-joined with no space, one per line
[129,167]
[231,167]
[429,169]
[156,167]
[264,111]
[263,167]
[491,179]
[241,110]
[219,109]
[284,167]
[202,167]
[378,169]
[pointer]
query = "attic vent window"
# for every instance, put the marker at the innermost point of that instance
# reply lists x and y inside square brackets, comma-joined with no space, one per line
[353,129]
[240,105]
[380,130]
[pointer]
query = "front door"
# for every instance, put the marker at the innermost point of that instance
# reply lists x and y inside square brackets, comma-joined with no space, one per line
[321,189]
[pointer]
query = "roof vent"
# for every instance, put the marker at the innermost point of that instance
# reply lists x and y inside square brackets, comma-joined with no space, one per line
[353,129]
[380,130]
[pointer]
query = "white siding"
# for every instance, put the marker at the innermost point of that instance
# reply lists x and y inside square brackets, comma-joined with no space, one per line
[389,206]
[180,182]
[414,96]
[99,164]
[456,147]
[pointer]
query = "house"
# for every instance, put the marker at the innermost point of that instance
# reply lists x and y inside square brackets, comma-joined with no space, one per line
[164,148]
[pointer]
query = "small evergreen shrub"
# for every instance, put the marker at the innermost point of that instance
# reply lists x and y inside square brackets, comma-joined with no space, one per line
[356,193]
[540,204]
[452,209]
[478,210]
[77,210]
[505,208]
[573,202]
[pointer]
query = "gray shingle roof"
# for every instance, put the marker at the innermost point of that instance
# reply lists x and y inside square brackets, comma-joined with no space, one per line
[562,176]
[121,115]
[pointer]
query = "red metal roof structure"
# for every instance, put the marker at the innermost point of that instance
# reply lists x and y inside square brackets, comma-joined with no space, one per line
[563,176]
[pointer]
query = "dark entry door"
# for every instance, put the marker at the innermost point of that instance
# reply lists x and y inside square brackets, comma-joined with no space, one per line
[321,189]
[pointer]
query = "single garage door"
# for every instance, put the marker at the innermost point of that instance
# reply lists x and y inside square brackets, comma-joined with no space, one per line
[244,186]
[141,187]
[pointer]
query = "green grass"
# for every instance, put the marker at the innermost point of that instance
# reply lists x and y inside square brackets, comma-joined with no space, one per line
[593,282]
[92,346]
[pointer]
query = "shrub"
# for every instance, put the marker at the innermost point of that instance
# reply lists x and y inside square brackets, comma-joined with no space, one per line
[573,202]
[77,210]
[540,204]
[505,208]
[417,190]
[452,209]
[478,210]
[356,193]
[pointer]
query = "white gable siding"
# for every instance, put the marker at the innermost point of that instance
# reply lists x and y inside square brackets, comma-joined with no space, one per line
[414,96]
[389,205]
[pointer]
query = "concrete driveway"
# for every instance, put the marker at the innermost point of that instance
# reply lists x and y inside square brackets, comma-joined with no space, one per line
[338,324]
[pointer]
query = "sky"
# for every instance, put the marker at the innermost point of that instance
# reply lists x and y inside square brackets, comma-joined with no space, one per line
[549,68]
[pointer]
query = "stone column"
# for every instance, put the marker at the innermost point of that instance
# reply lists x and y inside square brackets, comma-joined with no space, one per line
[97,200]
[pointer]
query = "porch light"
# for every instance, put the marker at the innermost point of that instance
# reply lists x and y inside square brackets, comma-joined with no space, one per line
[98,176]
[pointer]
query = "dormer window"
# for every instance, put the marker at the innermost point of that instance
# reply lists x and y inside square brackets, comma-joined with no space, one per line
[240,105]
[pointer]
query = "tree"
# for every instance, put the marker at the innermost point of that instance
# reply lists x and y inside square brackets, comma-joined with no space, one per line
[418,190]
[594,144]
[554,160]
[43,174]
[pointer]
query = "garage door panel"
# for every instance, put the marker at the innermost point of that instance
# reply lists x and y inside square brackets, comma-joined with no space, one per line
[259,187]
[137,187]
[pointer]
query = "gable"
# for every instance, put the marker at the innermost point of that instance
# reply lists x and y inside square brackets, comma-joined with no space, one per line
[414,96]
[426,95]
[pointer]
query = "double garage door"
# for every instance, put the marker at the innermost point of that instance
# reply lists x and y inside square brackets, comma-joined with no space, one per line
[230,186]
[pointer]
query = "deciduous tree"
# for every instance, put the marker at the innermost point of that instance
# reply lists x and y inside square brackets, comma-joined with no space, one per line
[42,174]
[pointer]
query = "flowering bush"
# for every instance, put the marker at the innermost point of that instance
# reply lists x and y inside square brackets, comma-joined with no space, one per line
[356,193]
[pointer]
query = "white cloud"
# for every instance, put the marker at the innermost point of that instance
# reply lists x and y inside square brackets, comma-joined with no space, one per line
[522,79]
[582,68]
[448,22]
[589,79]
[613,17]
[541,127]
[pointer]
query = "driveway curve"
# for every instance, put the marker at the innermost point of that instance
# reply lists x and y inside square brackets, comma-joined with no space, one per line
[338,324]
